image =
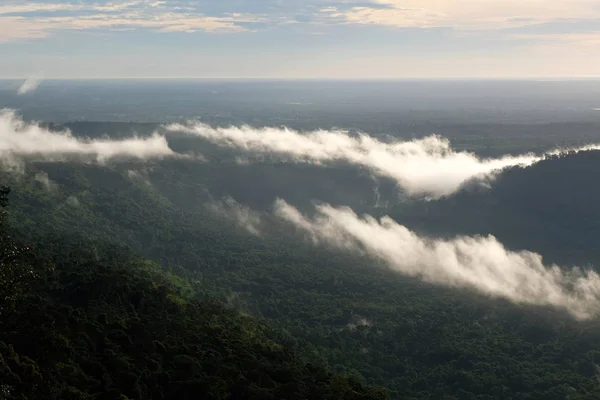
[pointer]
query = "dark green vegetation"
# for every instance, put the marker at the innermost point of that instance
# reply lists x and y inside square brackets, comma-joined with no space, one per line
[380,328]
[85,320]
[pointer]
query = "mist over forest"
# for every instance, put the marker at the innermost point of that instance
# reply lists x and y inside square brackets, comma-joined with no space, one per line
[303,241]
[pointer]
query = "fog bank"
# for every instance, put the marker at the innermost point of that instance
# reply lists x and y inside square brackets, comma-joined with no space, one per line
[425,167]
[480,263]
[19,138]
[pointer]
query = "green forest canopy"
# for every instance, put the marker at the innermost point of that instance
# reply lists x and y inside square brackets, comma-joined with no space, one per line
[309,306]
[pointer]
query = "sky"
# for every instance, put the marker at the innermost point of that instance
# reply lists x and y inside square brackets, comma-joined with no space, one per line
[343,39]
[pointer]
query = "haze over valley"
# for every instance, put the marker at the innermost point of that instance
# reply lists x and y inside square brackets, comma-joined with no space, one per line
[327,200]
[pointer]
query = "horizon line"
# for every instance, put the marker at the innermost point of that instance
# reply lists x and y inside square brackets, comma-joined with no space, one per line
[356,79]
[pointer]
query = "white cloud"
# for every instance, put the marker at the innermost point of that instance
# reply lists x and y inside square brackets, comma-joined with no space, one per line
[119,6]
[168,22]
[30,7]
[407,18]
[480,263]
[568,39]
[73,201]
[465,14]
[19,23]
[29,85]
[243,216]
[138,177]
[42,177]
[360,322]
[18,28]
[427,166]
[20,139]
[27,7]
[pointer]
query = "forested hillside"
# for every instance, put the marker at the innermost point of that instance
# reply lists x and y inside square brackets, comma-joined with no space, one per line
[323,307]
[89,320]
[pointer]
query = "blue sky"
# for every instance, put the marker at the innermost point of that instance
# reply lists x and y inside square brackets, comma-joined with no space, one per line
[300,38]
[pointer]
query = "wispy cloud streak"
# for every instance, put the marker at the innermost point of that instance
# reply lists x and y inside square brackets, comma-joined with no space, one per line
[480,263]
[21,139]
[242,215]
[23,22]
[461,14]
[427,166]
[29,85]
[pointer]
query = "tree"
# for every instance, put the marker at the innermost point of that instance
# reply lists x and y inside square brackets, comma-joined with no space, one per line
[16,263]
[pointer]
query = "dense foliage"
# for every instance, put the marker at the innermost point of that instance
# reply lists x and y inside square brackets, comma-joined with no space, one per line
[419,341]
[91,320]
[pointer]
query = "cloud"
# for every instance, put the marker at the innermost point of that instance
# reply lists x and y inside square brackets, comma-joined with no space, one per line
[32,7]
[243,216]
[138,177]
[18,28]
[352,326]
[407,18]
[42,177]
[169,22]
[29,85]
[569,39]
[24,21]
[480,263]
[462,14]
[28,7]
[424,167]
[20,139]
[31,20]
[73,201]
